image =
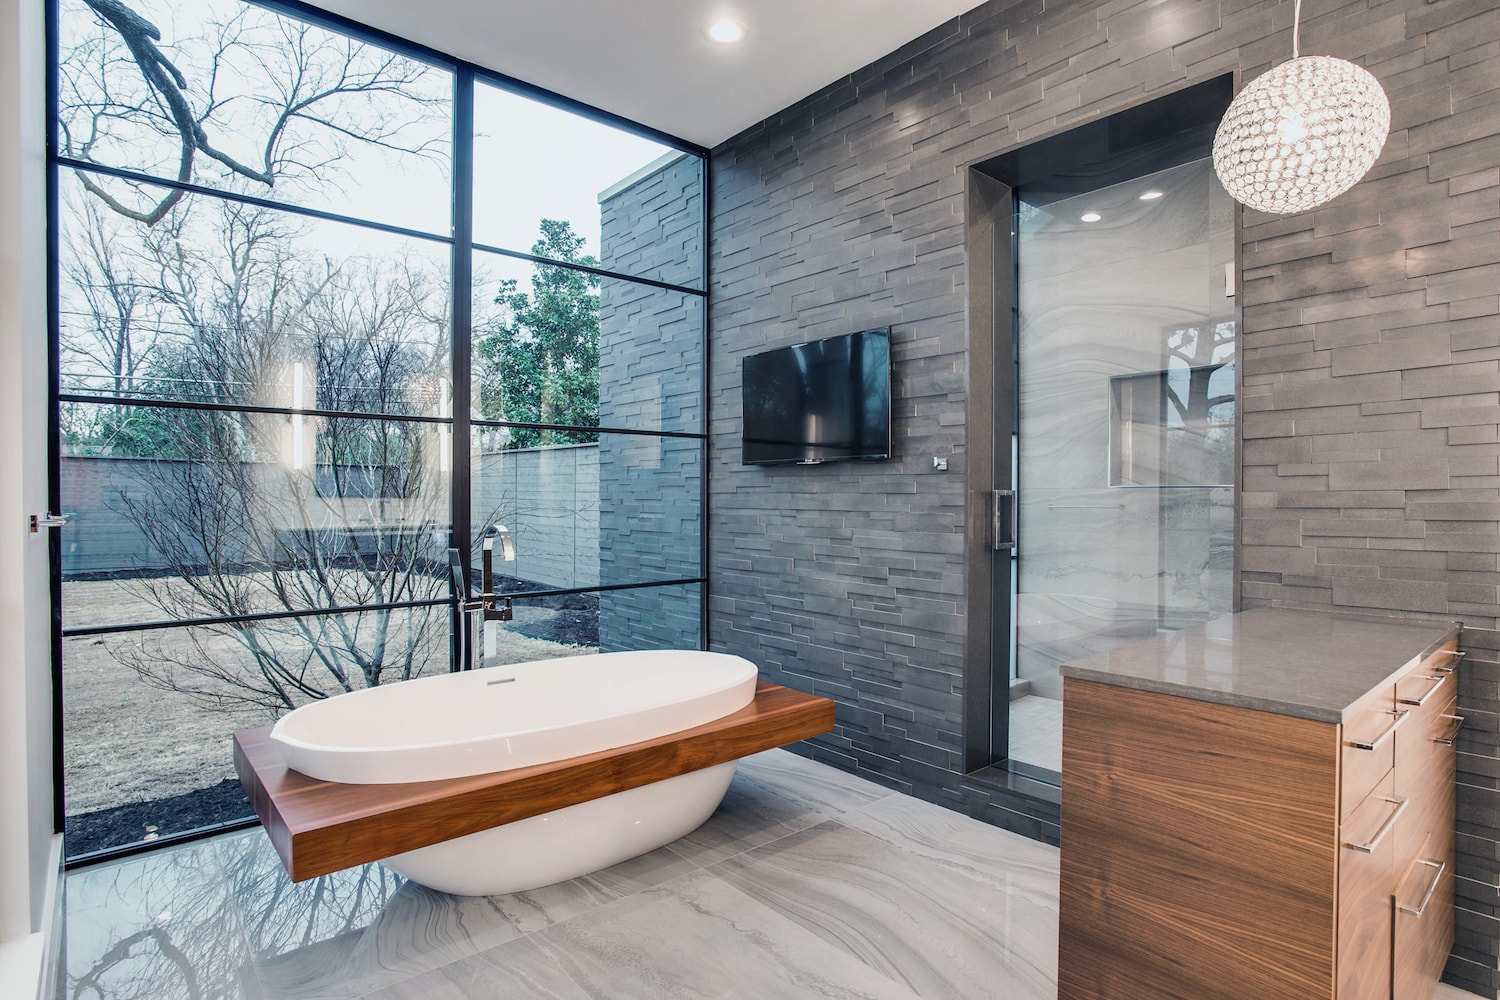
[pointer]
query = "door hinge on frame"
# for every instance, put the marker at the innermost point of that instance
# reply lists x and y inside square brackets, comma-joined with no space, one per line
[48,520]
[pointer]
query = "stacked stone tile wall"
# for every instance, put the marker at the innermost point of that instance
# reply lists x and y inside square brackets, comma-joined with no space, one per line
[1476,945]
[651,378]
[1370,353]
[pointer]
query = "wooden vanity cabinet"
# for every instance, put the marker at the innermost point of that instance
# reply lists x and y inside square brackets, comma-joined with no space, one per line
[1212,850]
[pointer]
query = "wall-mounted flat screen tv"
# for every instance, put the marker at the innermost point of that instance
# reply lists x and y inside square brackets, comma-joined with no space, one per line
[824,401]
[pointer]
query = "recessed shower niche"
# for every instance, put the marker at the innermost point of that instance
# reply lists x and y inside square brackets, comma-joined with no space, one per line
[1111,411]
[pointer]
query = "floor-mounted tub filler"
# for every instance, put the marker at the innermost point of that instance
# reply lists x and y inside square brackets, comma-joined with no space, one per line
[509,778]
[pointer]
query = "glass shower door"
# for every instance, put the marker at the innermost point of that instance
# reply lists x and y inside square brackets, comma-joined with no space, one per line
[1125,430]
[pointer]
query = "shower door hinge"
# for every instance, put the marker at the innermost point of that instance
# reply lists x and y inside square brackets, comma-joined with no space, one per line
[1003,519]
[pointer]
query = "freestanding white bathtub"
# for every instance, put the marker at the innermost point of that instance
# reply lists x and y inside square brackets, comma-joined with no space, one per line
[500,718]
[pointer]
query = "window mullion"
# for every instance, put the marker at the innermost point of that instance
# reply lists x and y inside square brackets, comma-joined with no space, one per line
[463,325]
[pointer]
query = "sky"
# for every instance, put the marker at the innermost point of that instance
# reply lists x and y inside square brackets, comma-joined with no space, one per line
[532,161]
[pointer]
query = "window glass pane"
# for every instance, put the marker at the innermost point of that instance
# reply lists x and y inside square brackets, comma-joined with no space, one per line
[557,346]
[232,304]
[631,204]
[650,358]
[149,715]
[579,510]
[541,628]
[199,514]
[651,508]
[234,96]
[576,624]
[651,618]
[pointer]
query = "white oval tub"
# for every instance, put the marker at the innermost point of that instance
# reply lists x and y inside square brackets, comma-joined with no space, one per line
[499,718]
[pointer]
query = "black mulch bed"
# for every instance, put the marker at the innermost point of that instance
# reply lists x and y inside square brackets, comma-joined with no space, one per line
[123,826]
[575,620]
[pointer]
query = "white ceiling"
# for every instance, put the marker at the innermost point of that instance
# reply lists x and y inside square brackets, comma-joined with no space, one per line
[650,61]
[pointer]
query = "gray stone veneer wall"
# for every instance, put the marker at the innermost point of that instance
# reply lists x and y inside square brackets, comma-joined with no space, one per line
[1476,945]
[1370,355]
[651,378]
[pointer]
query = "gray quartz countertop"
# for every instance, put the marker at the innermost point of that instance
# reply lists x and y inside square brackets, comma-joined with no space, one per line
[1308,664]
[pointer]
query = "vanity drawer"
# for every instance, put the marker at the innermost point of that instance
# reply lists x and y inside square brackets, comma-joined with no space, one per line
[1422,692]
[1423,928]
[1368,750]
[1366,874]
[1425,764]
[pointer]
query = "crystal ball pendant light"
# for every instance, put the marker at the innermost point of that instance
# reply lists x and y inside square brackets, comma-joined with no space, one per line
[1301,134]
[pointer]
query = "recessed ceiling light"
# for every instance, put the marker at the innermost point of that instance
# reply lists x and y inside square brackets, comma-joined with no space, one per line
[1090,217]
[725,31]
[1150,195]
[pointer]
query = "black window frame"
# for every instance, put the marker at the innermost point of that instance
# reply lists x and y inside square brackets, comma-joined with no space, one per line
[466,77]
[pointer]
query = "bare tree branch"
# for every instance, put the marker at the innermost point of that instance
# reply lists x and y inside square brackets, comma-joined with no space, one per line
[308,79]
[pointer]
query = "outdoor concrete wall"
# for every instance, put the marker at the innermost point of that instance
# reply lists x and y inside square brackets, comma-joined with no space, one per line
[1370,356]
[27,868]
[547,497]
[651,378]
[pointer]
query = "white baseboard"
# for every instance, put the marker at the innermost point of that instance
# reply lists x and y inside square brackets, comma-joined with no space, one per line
[52,919]
[21,963]
[32,959]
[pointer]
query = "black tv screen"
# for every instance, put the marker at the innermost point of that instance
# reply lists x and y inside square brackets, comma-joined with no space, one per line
[824,401]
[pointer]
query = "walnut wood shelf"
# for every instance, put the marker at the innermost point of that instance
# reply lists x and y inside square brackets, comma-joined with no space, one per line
[320,827]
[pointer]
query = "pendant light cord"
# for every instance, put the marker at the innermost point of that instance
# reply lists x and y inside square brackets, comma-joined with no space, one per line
[1296,25]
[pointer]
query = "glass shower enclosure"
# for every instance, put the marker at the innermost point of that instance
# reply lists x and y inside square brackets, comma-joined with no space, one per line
[1123,429]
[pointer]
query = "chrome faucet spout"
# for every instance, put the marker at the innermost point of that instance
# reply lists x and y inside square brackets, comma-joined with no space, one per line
[492,612]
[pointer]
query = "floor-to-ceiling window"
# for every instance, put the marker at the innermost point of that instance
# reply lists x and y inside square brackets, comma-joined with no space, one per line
[327,305]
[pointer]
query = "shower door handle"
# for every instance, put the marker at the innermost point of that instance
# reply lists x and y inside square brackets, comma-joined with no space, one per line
[1003,519]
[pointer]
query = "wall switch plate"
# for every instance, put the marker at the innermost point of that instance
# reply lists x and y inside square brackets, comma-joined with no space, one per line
[940,464]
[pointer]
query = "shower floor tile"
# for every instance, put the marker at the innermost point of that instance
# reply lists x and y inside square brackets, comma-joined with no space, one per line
[1036,731]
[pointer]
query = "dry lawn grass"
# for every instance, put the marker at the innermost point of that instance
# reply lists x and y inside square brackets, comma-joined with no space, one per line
[128,741]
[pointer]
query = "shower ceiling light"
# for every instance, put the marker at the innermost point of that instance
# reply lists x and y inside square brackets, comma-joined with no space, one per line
[1090,217]
[1150,195]
[1301,134]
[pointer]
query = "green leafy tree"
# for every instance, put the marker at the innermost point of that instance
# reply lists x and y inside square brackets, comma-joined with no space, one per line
[539,360]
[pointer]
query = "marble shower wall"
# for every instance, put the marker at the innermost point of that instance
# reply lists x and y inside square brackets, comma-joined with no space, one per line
[1103,565]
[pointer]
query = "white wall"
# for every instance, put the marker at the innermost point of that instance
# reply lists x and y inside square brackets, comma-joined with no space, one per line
[26,863]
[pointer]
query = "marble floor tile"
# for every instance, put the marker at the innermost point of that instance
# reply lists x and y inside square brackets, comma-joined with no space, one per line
[933,902]
[698,936]
[952,902]
[346,934]
[644,872]
[160,926]
[520,969]
[775,794]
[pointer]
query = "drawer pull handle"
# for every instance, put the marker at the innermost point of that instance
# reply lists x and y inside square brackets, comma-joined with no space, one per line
[1451,736]
[1438,680]
[1369,846]
[1400,717]
[1449,668]
[1438,867]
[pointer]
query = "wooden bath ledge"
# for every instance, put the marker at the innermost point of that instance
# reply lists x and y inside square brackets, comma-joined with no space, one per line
[319,827]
